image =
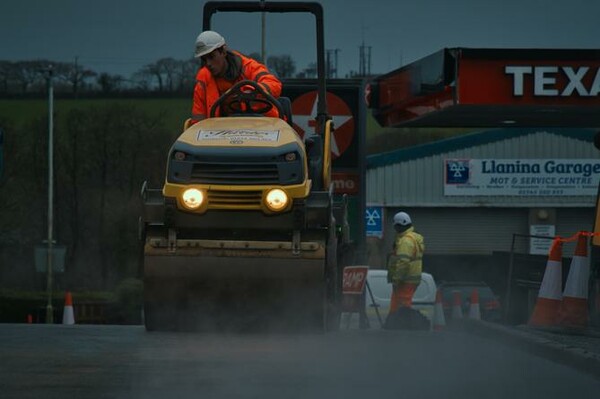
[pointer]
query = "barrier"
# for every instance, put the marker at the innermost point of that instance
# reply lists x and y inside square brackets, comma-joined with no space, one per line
[439,319]
[573,310]
[457,312]
[68,316]
[474,308]
[550,295]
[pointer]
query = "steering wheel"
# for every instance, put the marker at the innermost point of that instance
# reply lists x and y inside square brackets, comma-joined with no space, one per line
[246,97]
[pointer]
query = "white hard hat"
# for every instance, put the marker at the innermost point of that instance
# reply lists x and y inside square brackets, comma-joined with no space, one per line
[402,219]
[208,41]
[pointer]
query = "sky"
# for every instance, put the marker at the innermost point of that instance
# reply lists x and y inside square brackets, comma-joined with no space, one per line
[121,36]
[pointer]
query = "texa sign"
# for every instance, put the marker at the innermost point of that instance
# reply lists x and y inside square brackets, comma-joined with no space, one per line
[522,81]
[545,80]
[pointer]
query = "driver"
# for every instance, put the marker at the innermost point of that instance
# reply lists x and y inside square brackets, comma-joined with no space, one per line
[221,69]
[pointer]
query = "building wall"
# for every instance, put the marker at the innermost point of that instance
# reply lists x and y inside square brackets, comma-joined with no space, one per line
[465,234]
[419,181]
[480,231]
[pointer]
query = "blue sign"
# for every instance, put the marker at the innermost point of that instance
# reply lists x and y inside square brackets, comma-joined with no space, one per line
[374,221]
[457,171]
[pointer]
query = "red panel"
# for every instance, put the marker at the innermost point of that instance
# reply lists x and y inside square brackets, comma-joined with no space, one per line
[354,279]
[395,89]
[490,82]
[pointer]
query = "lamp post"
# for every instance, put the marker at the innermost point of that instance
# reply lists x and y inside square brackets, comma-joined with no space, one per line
[263,29]
[49,310]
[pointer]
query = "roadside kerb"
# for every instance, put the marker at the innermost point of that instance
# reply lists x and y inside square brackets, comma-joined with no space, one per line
[578,358]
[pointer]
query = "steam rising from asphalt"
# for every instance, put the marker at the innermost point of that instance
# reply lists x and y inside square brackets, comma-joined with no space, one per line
[128,362]
[346,364]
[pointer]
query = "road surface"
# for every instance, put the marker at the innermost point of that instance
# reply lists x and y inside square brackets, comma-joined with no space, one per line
[84,361]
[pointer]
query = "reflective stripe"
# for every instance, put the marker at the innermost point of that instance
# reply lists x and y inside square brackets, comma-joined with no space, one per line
[260,75]
[201,83]
[196,116]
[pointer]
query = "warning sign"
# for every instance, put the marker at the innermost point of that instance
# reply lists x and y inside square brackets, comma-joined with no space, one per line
[354,279]
[304,109]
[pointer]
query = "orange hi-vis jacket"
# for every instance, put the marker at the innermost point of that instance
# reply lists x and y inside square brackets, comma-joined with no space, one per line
[208,88]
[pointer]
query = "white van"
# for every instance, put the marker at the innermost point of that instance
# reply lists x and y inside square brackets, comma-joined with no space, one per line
[381,290]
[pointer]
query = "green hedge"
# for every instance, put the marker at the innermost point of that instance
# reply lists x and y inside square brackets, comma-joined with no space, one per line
[123,306]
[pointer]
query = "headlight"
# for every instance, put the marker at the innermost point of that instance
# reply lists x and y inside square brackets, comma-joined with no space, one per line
[192,198]
[290,156]
[276,200]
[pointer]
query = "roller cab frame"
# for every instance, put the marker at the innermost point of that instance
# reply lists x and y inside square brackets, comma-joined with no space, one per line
[243,233]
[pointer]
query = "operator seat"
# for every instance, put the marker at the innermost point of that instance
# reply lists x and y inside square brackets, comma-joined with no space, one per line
[286,104]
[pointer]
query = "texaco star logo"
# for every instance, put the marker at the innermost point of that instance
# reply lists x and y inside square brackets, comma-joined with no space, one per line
[304,110]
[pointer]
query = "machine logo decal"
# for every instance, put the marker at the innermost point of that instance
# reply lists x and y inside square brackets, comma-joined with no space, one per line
[238,136]
[304,109]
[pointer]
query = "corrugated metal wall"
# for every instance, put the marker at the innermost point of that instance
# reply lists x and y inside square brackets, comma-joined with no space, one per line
[420,182]
[464,230]
[483,230]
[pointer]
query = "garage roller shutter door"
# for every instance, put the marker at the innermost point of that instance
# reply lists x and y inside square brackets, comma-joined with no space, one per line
[469,230]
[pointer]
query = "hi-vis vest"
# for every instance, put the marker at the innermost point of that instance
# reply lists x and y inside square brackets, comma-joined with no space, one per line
[206,92]
[406,264]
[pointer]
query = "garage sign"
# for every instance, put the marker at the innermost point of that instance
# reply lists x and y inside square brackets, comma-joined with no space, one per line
[522,177]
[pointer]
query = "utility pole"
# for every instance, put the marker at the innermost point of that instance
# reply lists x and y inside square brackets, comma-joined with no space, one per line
[332,65]
[76,80]
[49,310]
[263,51]
[364,65]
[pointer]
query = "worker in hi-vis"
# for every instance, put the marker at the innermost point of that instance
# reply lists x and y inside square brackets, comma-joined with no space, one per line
[406,263]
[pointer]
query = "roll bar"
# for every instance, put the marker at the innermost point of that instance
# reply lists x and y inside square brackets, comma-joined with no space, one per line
[212,7]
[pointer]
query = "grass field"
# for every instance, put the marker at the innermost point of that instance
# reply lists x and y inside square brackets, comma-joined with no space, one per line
[176,110]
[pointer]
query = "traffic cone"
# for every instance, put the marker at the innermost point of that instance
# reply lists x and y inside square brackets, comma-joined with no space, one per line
[457,312]
[68,316]
[573,310]
[439,320]
[474,309]
[545,312]
[29,319]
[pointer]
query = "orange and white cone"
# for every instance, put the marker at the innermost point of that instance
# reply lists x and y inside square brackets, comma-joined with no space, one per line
[68,316]
[545,312]
[439,320]
[573,310]
[474,309]
[457,312]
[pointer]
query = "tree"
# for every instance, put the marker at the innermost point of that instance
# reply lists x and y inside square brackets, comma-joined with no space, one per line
[142,79]
[164,71]
[73,74]
[283,65]
[30,73]
[6,71]
[186,74]
[309,72]
[168,67]
[109,83]
[152,71]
